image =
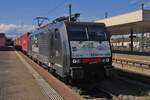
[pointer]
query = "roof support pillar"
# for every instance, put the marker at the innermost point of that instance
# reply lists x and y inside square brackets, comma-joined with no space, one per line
[142,42]
[131,40]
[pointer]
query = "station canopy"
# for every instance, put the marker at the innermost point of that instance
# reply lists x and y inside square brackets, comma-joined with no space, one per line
[136,21]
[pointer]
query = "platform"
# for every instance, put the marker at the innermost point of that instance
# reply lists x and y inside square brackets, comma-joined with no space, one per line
[18,81]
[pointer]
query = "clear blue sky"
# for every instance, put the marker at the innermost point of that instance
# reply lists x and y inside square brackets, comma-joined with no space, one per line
[23,11]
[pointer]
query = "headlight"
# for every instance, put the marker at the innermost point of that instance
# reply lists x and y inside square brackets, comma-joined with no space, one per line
[106,60]
[76,61]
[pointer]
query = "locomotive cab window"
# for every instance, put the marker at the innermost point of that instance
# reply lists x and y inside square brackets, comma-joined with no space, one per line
[57,39]
[56,35]
[86,33]
[77,34]
[96,34]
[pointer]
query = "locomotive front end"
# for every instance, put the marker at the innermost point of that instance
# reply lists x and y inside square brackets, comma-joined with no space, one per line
[90,51]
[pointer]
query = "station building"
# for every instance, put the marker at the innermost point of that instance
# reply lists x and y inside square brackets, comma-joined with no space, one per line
[129,31]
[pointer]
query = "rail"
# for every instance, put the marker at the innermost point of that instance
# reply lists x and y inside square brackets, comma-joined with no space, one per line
[137,63]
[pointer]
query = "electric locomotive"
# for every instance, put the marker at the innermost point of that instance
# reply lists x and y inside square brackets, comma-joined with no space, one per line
[72,49]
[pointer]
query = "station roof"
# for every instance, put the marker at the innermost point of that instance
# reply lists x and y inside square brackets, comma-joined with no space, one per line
[138,21]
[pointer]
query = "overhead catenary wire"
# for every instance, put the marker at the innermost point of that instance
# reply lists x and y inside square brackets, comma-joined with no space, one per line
[41,19]
[56,7]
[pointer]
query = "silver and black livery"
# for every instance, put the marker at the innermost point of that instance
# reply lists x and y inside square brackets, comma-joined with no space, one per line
[72,49]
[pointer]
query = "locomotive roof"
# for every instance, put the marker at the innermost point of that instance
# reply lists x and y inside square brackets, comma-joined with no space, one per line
[38,30]
[84,23]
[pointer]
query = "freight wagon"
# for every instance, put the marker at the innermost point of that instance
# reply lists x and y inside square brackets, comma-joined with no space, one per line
[21,42]
[71,49]
[2,40]
[17,43]
[24,42]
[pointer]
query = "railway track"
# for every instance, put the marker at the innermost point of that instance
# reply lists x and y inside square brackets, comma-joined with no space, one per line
[145,52]
[133,71]
[132,63]
[92,92]
[137,63]
[119,87]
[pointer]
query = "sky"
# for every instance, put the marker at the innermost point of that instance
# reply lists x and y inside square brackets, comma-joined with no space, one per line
[16,16]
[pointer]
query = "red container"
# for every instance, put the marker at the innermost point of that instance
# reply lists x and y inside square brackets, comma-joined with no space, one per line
[24,38]
[17,41]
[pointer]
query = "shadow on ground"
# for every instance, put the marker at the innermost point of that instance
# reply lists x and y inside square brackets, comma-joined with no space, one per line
[109,88]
